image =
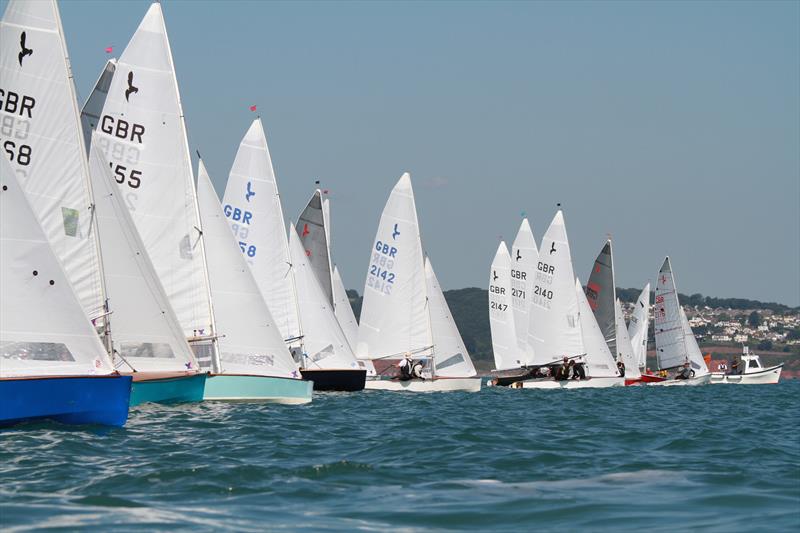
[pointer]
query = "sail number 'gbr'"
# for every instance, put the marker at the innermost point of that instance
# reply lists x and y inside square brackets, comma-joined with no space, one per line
[380,277]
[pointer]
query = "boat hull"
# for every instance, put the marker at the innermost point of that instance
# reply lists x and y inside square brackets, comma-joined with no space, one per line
[166,388]
[428,385]
[650,378]
[768,376]
[248,388]
[70,400]
[693,382]
[589,383]
[347,380]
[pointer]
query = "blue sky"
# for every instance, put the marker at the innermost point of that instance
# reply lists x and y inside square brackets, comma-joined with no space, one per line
[673,126]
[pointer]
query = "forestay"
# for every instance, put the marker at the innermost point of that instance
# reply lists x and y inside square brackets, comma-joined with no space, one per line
[249,342]
[624,348]
[43,328]
[671,350]
[41,138]
[343,309]
[253,208]
[314,238]
[145,332]
[523,269]
[324,343]
[638,326]
[143,136]
[601,294]
[93,107]
[554,331]
[599,361]
[394,319]
[450,355]
[501,315]
[696,360]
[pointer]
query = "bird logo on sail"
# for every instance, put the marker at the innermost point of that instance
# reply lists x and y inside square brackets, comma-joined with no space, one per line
[519,255]
[552,248]
[305,231]
[23,50]
[131,88]
[494,275]
[395,233]
[250,192]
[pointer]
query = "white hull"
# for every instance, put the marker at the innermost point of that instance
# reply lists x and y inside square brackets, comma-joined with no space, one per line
[428,385]
[589,383]
[768,376]
[692,382]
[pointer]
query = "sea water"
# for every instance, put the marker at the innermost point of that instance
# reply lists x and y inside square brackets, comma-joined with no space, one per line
[718,458]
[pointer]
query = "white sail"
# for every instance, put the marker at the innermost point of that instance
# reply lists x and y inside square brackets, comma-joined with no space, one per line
[599,361]
[624,347]
[249,341]
[43,328]
[343,309]
[696,360]
[93,107]
[41,137]
[638,327]
[393,313]
[507,355]
[524,257]
[671,350]
[315,240]
[554,330]
[253,207]
[450,355]
[146,333]
[324,342]
[143,135]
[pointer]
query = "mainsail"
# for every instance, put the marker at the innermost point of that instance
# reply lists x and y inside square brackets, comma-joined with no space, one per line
[249,341]
[524,256]
[554,330]
[142,133]
[625,351]
[638,326]
[501,315]
[324,342]
[146,333]
[450,355]
[43,328]
[314,238]
[343,309]
[42,140]
[671,348]
[394,317]
[601,294]
[696,360]
[253,207]
[599,361]
[93,107]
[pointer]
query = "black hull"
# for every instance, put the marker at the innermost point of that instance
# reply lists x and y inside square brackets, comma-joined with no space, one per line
[507,380]
[336,380]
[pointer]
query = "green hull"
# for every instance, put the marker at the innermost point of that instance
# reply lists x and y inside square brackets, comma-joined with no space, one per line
[168,390]
[258,389]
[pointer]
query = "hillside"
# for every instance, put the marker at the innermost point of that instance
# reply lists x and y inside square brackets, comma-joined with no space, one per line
[470,311]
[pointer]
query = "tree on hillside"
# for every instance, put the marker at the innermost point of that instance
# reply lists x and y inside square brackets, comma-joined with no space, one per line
[754,320]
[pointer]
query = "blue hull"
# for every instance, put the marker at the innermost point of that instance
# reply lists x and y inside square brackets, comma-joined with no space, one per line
[179,389]
[70,400]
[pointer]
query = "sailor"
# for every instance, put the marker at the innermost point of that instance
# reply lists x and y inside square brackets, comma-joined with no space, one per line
[579,371]
[735,368]
[416,369]
[621,368]
[405,365]
[562,372]
[686,372]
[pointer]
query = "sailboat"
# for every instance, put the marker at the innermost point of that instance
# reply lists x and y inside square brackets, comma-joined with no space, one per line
[251,361]
[562,323]
[253,207]
[675,342]
[404,312]
[638,329]
[63,191]
[601,292]
[52,363]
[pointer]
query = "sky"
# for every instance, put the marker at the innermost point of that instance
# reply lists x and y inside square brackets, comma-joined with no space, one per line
[674,127]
